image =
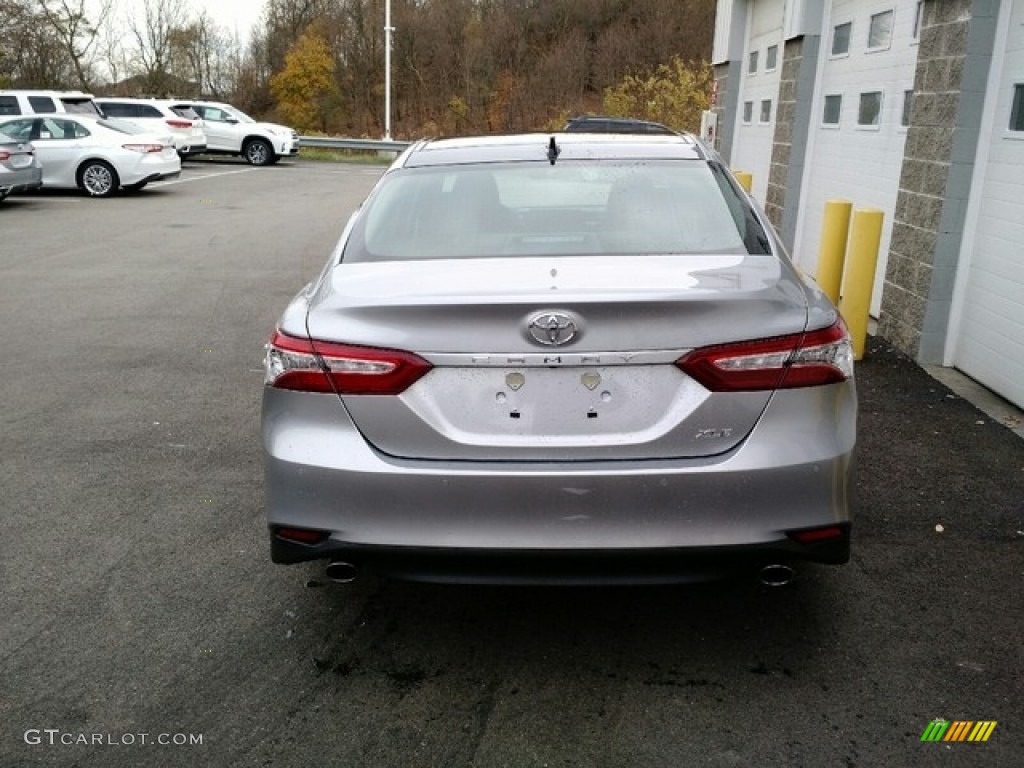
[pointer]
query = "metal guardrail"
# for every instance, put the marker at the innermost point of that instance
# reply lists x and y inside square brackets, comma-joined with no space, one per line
[333,142]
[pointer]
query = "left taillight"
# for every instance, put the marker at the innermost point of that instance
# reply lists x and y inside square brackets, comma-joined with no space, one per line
[321,366]
[785,362]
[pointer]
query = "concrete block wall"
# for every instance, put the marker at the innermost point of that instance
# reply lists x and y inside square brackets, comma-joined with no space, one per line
[957,39]
[792,121]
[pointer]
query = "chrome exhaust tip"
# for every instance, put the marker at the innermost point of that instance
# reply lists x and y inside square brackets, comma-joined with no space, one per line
[341,572]
[777,575]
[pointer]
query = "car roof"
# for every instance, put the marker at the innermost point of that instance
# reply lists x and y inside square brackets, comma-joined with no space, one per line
[202,103]
[536,146]
[45,92]
[610,124]
[132,99]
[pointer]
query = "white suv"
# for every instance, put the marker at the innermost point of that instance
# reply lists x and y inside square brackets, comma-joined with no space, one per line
[23,102]
[184,125]
[230,131]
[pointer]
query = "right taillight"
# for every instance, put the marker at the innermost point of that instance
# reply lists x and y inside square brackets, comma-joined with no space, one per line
[323,366]
[784,362]
[144,149]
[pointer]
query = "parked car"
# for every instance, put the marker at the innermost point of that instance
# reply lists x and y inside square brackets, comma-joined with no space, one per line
[20,170]
[98,156]
[605,124]
[230,131]
[27,102]
[183,124]
[570,358]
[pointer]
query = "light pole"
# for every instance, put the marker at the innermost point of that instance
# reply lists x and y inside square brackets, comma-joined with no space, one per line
[388,29]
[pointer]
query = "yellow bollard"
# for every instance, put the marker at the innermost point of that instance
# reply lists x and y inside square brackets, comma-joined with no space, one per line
[832,251]
[865,237]
[745,178]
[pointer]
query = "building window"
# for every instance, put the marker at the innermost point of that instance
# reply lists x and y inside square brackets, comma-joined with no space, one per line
[766,110]
[918,19]
[870,112]
[833,109]
[1017,112]
[908,102]
[841,39]
[748,112]
[752,67]
[880,31]
[771,58]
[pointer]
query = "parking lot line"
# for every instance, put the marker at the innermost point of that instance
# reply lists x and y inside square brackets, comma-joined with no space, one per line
[203,176]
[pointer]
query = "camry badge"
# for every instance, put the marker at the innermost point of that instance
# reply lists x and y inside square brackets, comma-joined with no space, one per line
[552,329]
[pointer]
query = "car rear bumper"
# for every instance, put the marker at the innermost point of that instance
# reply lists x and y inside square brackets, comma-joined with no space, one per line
[569,567]
[21,180]
[170,176]
[792,473]
[11,189]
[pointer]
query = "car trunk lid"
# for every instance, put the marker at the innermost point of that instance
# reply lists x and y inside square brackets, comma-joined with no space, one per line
[500,389]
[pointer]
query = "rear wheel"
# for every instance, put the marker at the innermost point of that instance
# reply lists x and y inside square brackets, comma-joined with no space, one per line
[98,179]
[259,152]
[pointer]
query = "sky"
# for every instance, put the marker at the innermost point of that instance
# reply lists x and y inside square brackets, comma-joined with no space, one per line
[234,15]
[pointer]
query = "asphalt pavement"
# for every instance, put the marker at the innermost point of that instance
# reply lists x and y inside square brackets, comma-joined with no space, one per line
[139,608]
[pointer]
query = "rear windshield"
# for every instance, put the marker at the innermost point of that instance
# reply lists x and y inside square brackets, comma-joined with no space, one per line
[186,112]
[81,107]
[569,209]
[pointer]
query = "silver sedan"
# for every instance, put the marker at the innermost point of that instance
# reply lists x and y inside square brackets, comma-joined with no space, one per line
[20,170]
[96,155]
[570,358]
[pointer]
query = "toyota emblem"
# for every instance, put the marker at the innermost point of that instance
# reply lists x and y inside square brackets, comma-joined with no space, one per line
[552,329]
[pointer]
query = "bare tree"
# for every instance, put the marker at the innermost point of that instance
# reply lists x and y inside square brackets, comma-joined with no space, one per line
[111,54]
[200,51]
[30,53]
[153,32]
[76,32]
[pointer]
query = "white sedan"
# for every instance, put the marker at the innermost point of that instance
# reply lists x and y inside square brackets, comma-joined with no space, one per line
[96,155]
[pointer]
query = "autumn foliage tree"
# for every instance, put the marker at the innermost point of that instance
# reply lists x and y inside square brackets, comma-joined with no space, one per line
[674,94]
[305,89]
[458,66]
[472,66]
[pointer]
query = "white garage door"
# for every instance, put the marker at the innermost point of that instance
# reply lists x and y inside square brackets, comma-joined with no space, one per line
[990,341]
